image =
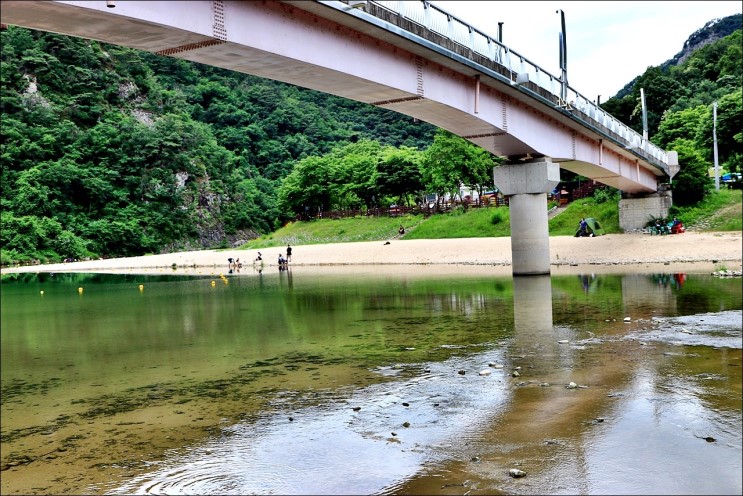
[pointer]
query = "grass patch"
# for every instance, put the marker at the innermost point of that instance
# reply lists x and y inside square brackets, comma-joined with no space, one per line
[607,213]
[719,211]
[336,231]
[491,222]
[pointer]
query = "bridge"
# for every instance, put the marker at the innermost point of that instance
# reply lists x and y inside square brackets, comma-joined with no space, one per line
[410,57]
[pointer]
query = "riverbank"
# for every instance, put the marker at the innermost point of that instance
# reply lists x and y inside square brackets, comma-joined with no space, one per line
[692,251]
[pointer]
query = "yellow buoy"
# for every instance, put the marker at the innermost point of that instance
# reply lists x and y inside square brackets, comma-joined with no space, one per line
[80,290]
[141,287]
[214,283]
[42,292]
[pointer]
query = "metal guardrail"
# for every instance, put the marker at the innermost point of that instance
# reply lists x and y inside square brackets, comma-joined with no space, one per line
[519,69]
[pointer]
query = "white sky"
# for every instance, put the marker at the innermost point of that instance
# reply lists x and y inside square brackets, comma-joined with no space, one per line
[609,43]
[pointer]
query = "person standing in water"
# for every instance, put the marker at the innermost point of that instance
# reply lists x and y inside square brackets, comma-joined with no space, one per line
[288,253]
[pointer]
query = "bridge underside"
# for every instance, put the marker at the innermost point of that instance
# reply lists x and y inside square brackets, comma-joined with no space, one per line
[338,54]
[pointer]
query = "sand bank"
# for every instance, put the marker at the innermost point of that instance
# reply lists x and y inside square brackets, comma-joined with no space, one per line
[691,251]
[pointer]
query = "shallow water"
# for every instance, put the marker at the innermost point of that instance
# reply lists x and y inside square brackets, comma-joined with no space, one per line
[286,383]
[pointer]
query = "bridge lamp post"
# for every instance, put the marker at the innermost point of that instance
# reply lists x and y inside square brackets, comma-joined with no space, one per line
[644,118]
[563,58]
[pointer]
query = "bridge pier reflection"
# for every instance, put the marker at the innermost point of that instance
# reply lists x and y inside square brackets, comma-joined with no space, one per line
[527,184]
[532,305]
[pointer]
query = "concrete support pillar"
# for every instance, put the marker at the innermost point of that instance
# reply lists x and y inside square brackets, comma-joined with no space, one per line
[526,185]
[637,210]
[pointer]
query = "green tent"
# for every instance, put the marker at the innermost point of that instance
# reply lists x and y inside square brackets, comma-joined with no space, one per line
[594,228]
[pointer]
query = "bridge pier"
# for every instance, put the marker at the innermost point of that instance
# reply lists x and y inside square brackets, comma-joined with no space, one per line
[526,184]
[636,210]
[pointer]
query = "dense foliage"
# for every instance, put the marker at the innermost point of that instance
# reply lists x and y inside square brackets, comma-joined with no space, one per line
[108,151]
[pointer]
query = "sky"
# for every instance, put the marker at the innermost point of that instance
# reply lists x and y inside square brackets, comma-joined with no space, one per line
[609,43]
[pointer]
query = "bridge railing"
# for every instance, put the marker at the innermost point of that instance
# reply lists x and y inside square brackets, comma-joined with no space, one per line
[520,70]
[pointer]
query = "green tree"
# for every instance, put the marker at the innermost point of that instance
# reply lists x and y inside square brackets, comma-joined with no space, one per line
[692,182]
[399,173]
[307,190]
[452,161]
[685,124]
[355,174]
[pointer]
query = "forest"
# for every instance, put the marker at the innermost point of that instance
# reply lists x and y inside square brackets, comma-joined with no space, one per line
[109,151]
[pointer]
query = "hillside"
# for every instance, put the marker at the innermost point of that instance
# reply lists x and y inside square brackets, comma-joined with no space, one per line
[712,31]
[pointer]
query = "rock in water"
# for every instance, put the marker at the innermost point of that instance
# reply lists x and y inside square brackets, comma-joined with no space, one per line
[516,473]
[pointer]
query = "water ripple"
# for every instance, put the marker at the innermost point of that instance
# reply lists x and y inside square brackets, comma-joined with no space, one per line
[397,428]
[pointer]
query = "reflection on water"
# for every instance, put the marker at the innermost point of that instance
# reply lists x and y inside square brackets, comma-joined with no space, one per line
[378,435]
[289,383]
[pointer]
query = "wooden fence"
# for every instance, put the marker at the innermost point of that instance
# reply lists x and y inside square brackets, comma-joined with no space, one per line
[398,211]
[585,189]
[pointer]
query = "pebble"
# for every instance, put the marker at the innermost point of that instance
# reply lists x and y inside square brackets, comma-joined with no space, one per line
[485,372]
[572,385]
[563,341]
[515,374]
[728,273]
[516,473]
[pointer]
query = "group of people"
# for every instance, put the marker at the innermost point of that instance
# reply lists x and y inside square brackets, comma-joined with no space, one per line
[673,227]
[284,262]
[234,263]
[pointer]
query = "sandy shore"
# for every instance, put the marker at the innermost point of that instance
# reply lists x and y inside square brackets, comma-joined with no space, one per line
[691,251]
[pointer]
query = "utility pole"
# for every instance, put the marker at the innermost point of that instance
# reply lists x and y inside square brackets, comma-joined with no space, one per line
[714,144]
